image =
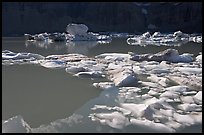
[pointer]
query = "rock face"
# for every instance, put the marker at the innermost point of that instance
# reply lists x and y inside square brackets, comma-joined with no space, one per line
[19,17]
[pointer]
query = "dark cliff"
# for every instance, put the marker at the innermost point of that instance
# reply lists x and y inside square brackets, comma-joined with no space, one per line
[27,17]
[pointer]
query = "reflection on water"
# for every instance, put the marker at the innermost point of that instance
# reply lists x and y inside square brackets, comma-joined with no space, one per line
[81,47]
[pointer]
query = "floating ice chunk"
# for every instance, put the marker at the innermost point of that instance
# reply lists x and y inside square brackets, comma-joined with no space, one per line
[153,93]
[159,70]
[188,70]
[176,39]
[101,107]
[170,55]
[123,77]
[90,74]
[53,63]
[184,119]
[178,33]
[114,119]
[113,55]
[75,69]
[180,58]
[77,29]
[15,125]
[146,35]
[57,37]
[146,96]
[150,125]
[8,55]
[136,109]
[178,88]
[190,107]
[187,99]
[198,97]
[138,70]
[160,80]
[104,85]
[199,58]
[192,81]
[167,112]
[156,34]
[189,93]
[197,39]
[197,117]
[173,124]
[114,66]
[170,94]
[150,84]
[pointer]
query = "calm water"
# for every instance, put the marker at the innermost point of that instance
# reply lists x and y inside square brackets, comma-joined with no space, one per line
[44,95]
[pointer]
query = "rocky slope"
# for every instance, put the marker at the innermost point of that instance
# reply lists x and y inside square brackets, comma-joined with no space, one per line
[28,17]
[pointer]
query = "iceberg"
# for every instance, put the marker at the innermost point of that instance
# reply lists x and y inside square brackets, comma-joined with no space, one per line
[170,55]
[53,63]
[9,57]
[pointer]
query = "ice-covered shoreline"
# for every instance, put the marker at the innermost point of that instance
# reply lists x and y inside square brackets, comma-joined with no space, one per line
[147,104]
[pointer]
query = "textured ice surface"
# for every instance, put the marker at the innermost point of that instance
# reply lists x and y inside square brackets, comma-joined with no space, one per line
[176,39]
[15,125]
[128,100]
[170,55]
[9,58]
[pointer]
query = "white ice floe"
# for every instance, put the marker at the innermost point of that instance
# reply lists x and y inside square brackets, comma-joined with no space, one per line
[114,56]
[9,55]
[178,88]
[150,84]
[149,125]
[114,119]
[90,74]
[104,85]
[10,58]
[53,63]
[170,94]
[170,55]
[199,58]
[184,119]
[160,80]
[123,77]
[75,69]
[176,39]
[75,29]
[15,125]
[136,109]
[188,70]
[187,99]
[190,107]
[193,82]
[198,97]
[78,32]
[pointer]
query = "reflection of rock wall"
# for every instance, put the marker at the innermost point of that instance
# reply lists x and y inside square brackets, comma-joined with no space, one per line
[19,18]
[81,47]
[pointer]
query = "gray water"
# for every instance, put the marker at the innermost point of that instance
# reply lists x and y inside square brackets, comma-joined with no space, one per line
[44,95]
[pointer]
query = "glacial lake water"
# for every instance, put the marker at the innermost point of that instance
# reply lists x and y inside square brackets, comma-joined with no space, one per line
[42,95]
